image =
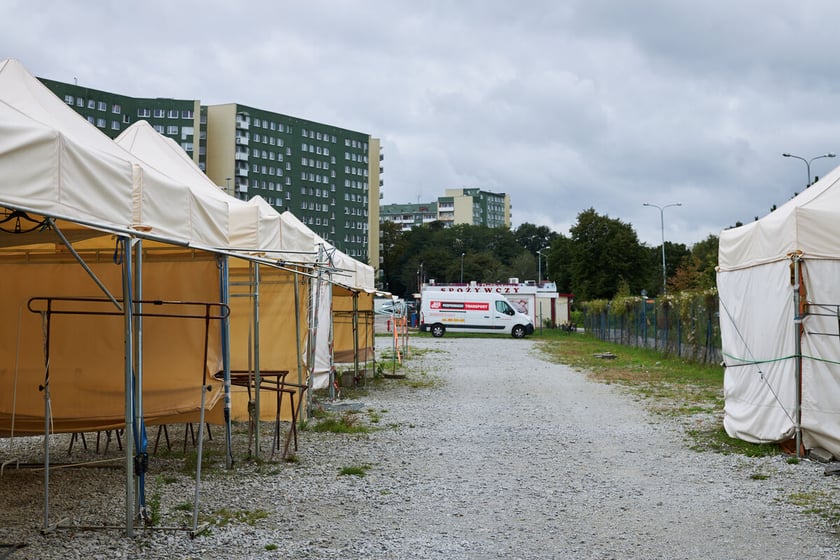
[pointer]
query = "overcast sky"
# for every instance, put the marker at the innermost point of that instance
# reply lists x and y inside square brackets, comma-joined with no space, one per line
[563,104]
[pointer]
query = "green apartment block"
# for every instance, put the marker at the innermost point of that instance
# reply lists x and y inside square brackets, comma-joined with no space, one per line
[409,215]
[460,206]
[178,119]
[328,177]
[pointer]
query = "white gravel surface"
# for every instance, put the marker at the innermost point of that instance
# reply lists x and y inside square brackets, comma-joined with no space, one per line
[485,450]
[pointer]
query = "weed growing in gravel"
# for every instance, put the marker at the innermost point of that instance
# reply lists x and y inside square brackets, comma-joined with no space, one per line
[271,547]
[360,470]
[224,516]
[153,507]
[347,423]
[716,439]
[817,503]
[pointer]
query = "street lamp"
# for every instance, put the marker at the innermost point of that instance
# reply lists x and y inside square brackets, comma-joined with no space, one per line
[539,265]
[662,228]
[462,268]
[808,163]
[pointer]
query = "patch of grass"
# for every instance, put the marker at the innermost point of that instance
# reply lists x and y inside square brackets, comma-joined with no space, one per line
[271,547]
[345,424]
[224,516]
[153,509]
[185,506]
[211,459]
[820,504]
[423,382]
[759,476]
[718,440]
[360,470]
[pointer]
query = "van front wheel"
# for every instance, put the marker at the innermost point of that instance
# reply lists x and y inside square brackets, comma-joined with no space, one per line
[518,331]
[438,330]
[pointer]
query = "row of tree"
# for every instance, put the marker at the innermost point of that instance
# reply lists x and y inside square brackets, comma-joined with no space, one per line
[599,259]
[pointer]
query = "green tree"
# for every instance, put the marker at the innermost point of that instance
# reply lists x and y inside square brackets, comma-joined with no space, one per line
[675,254]
[604,252]
[533,237]
[559,263]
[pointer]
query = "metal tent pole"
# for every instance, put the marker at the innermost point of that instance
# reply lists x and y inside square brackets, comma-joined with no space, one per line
[297,331]
[129,386]
[47,406]
[224,288]
[257,380]
[139,428]
[797,341]
[356,333]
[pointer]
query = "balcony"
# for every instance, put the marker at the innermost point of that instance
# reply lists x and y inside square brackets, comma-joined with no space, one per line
[242,139]
[243,122]
[241,155]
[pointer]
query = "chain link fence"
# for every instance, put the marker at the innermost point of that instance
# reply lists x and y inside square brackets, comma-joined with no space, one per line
[686,325]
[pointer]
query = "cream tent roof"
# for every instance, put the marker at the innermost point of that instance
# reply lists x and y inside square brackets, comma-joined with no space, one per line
[349,272]
[252,225]
[53,162]
[805,223]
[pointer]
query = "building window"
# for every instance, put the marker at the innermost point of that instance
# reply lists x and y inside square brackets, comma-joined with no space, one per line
[172,130]
[159,113]
[187,115]
[91,120]
[159,128]
[116,109]
[187,146]
[102,106]
[100,122]
[115,125]
[145,113]
[68,99]
[173,113]
[80,102]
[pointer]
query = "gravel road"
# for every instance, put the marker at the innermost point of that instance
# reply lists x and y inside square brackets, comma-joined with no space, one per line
[486,450]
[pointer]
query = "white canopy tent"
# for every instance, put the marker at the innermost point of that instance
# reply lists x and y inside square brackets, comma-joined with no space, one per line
[68,195]
[780,322]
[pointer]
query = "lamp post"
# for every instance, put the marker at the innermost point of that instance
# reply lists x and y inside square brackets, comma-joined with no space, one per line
[539,265]
[808,163]
[662,228]
[462,268]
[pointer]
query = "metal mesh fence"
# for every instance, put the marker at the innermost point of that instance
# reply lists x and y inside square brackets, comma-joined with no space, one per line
[686,326]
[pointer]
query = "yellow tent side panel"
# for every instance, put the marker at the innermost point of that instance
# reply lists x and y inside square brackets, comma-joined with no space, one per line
[86,352]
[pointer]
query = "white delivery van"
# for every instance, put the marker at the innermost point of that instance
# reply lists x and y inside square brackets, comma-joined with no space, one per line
[442,311]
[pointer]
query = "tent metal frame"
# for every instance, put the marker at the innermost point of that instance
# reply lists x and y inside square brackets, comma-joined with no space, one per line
[133,380]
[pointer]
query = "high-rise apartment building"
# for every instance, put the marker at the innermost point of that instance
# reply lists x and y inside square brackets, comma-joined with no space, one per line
[409,215]
[329,177]
[178,119]
[474,206]
[460,206]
